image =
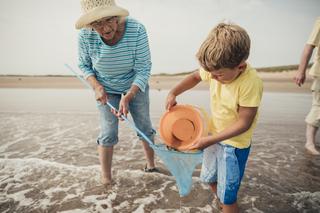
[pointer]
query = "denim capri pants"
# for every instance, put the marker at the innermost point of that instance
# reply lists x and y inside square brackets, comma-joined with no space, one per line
[139,111]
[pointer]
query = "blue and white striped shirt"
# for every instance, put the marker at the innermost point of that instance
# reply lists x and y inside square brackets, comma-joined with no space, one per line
[119,66]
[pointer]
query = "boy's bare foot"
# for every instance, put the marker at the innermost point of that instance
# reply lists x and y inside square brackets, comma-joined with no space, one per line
[311,149]
[217,204]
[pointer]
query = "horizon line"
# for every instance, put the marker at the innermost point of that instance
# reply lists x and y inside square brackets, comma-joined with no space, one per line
[259,69]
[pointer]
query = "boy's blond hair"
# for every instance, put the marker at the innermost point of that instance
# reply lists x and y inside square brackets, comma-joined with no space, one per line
[226,46]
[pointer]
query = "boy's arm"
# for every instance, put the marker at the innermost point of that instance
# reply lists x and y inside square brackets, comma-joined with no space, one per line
[246,118]
[187,83]
[301,73]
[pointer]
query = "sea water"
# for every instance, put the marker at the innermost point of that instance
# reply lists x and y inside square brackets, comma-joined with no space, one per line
[48,158]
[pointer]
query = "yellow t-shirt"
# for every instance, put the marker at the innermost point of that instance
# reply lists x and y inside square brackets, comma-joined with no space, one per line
[314,39]
[245,90]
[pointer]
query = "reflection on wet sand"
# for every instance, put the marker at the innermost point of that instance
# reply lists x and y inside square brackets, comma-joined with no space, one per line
[48,159]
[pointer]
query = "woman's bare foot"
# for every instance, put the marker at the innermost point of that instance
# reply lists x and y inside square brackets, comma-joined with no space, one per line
[311,149]
[106,181]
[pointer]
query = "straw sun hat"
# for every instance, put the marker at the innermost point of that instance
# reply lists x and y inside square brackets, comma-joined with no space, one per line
[182,126]
[94,10]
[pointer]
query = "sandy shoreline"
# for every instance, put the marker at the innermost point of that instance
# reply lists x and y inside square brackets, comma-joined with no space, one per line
[273,82]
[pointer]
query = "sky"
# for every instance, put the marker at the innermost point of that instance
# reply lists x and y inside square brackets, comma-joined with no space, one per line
[38,36]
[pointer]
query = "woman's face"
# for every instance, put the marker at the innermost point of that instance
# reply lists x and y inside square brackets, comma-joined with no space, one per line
[106,27]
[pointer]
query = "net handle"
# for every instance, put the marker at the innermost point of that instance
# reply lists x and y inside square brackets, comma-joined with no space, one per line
[131,124]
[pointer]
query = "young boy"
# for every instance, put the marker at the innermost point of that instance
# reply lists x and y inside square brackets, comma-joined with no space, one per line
[313,118]
[235,92]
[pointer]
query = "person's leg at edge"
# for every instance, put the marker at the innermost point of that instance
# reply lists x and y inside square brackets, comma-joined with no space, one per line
[105,158]
[311,132]
[313,119]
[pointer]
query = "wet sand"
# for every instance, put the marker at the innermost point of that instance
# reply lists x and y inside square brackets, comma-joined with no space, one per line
[49,163]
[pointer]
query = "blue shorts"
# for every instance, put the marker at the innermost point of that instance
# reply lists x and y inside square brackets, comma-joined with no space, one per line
[139,111]
[224,165]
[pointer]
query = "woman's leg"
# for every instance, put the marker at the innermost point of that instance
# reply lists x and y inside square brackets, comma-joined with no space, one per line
[105,158]
[149,153]
[139,109]
[108,137]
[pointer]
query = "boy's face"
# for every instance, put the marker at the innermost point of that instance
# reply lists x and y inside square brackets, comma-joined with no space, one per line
[227,75]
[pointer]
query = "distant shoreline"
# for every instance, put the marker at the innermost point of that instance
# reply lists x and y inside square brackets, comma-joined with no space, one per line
[273,69]
[281,81]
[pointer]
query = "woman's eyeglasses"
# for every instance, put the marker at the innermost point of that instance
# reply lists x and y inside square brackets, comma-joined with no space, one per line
[100,23]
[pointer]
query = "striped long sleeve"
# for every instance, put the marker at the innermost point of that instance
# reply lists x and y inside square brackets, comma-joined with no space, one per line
[119,66]
[142,64]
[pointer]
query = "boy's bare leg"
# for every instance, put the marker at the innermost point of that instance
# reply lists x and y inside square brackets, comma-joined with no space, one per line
[216,200]
[233,208]
[213,187]
[148,151]
[105,158]
[311,136]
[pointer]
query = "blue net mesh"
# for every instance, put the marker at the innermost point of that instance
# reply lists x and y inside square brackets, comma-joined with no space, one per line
[180,164]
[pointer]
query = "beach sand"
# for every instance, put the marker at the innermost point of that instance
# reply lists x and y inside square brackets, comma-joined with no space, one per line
[273,81]
[49,162]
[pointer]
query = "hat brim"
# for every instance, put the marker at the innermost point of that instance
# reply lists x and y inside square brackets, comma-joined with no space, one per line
[100,13]
[168,119]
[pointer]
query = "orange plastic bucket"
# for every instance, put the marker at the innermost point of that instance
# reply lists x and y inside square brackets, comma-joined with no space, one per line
[183,125]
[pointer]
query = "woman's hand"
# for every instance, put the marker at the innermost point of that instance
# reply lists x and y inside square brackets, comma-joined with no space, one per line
[171,101]
[101,94]
[124,105]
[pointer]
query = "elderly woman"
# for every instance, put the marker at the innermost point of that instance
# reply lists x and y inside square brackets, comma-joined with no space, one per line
[114,56]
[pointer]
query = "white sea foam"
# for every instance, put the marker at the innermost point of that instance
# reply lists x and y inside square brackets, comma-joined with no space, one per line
[306,200]
[74,211]
[41,184]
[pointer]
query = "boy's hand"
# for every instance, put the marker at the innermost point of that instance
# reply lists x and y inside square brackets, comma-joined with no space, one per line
[171,101]
[202,143]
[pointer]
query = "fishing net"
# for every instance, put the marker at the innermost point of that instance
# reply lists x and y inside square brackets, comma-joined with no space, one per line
[180,164]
